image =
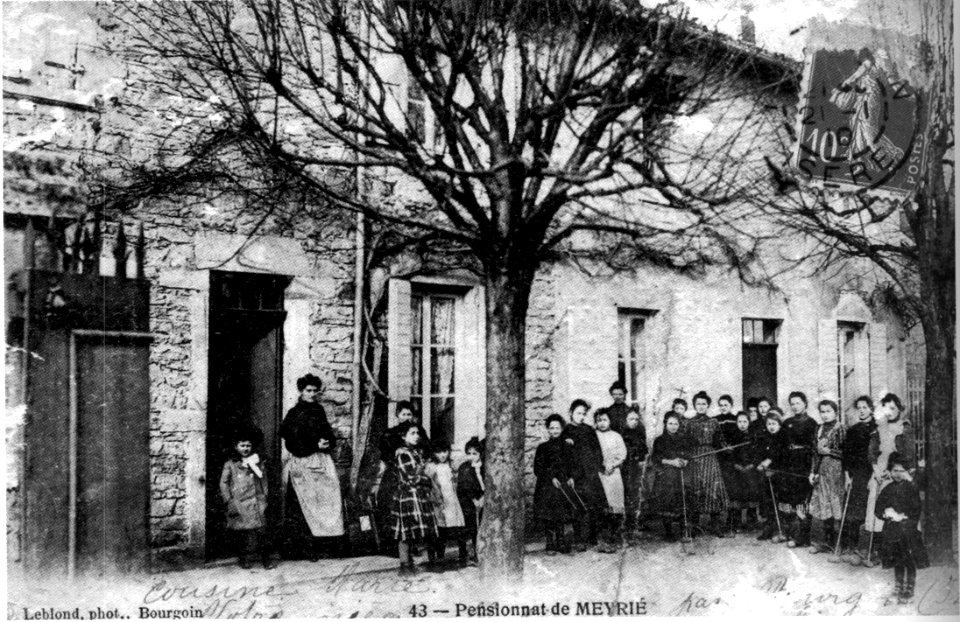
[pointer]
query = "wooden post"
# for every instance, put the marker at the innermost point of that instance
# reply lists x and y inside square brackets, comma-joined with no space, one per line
[29,245]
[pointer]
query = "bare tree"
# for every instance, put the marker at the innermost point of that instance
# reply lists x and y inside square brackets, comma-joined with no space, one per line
[906,252]
[519,129]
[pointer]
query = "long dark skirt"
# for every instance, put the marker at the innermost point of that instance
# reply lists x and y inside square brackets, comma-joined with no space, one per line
[743,487]
[859,493]
[668,498]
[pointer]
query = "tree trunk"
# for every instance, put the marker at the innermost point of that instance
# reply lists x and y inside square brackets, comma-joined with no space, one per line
[939,325]
[501,531]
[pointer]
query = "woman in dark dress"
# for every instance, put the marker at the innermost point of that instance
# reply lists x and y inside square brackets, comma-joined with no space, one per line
[552,497]
[770,453]
[672,498]
[901,548]
[859,470]
[587,465]
[800,431]
[313,507]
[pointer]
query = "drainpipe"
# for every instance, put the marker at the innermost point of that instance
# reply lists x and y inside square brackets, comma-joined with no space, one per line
[358,290]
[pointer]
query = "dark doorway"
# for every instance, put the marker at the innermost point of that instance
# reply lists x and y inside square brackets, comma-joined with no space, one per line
[246,377]
[760,338]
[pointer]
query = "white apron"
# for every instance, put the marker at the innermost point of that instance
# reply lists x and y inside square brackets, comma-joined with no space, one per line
[614,452]
[315,481]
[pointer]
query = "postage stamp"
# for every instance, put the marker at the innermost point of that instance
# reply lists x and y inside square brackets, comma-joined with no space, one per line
[479,309]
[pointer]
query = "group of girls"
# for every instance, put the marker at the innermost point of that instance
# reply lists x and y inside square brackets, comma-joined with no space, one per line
[428,502]
[764,469]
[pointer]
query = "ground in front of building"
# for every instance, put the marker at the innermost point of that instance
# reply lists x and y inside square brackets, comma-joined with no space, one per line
[710,576]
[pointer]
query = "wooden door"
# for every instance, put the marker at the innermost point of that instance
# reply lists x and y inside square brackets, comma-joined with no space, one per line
[112,446]
[87,458]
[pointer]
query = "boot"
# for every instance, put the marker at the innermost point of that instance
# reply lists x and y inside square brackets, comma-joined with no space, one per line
[717,527]
[668,533]
[768,531]
[464,556]
[733,521]
[562,545]
[804,526]
[551,544]
[898,575]
[829,538]
[909,583]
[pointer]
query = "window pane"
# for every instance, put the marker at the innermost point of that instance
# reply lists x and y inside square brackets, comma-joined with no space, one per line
[441,322]
[747,331]
[416,371]
[441,419]
[636,328]
[441,371]
[416,319]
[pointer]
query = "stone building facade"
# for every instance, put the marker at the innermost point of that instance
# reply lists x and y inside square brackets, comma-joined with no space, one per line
[665,334]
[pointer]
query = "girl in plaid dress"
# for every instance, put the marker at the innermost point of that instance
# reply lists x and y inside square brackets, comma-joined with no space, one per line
[412,519]
[826,503]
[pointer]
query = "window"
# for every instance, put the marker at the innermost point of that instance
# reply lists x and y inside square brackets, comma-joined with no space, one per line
[761,331]
[853,363]
[760,340]
[433,362]
[632,349]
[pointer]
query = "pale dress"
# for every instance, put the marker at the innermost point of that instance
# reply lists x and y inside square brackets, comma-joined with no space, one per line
[614,453]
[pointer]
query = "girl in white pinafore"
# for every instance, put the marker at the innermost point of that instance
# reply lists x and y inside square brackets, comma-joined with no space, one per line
[614,453]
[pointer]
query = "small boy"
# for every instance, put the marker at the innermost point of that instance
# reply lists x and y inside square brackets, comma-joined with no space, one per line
[243,487]
[470,492]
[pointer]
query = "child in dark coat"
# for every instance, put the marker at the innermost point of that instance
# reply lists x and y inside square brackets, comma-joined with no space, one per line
[470,492]
[635,438]
[740,476]
[553,500]
[769,458]
[901,548]
[672,493]
[587,466]
[243,488]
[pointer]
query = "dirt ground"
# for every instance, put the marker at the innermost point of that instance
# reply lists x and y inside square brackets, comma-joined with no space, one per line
[727,577]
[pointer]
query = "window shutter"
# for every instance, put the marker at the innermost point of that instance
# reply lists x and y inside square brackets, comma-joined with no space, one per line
[398,341]
[878,358]
[827,350]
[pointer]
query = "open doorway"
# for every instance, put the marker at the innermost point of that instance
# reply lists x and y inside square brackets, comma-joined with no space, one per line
[245,383]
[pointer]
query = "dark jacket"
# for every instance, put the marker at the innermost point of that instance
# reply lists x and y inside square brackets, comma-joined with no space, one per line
[303,427]
[470,489]
[636,441]
[856,447]
[906,445]
[902,544]
[553,460]
[587,464]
